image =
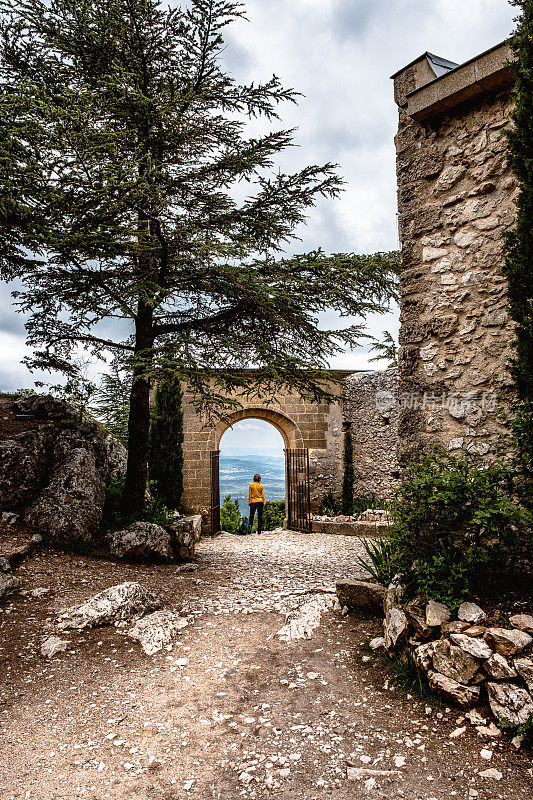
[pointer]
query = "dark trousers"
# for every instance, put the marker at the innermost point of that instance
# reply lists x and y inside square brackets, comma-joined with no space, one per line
[259,508]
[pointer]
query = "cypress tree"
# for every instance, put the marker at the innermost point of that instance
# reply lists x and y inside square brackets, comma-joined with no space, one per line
[166,442]
[348,479]
[518,268]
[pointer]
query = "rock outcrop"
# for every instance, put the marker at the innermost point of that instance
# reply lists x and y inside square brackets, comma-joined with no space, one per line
[141,541]
[157,630]
[54,473]
[361,594]
[123,602]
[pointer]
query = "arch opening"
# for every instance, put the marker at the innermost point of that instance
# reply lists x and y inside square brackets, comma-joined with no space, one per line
[247,447]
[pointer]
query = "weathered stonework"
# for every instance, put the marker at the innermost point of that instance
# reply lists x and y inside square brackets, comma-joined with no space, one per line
[301,422]
[371,414]
[456,200]
[366,405]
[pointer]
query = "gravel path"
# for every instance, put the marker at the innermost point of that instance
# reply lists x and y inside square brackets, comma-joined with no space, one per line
[232,710]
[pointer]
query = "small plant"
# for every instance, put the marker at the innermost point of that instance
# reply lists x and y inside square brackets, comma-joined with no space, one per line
[230,515]
[525,731]
[330,505]
[364,502]
[406,675]
[381,554]
[155,510]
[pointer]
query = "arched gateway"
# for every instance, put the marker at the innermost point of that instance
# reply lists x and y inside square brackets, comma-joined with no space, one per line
[312,434]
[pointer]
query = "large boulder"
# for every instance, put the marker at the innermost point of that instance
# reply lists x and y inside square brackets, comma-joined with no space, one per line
[509,702]
[142,541]
[185,533]
[157,630]
[69,507]
[125,601]
[53,474]
[361,595]
[25,462]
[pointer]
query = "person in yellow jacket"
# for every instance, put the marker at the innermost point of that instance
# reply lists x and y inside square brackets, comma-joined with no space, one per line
[256,501]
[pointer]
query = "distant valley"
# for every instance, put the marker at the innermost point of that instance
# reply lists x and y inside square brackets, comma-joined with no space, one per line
[237,471]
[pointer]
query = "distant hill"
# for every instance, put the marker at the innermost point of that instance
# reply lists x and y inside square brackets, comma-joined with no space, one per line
[237,471]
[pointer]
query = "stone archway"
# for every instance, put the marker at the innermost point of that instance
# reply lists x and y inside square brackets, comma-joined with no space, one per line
[292,436]
[315,426]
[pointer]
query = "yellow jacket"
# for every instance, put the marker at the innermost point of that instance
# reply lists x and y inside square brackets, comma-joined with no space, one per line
[256,493]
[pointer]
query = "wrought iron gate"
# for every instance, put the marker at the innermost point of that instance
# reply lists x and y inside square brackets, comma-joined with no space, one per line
[215,492]
[298,490]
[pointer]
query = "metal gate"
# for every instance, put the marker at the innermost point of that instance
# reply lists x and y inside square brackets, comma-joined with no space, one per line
[298,490]
[215,492]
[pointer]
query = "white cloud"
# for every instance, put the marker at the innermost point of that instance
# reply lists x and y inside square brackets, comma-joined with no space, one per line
[340,54]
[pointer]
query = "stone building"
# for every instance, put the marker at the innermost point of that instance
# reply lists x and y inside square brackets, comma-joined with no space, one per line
[455,200]
[366,406]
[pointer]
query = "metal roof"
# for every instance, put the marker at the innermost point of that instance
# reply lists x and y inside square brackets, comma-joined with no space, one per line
[440,66]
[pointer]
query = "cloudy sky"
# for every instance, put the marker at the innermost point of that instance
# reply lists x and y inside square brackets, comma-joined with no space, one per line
[339,54]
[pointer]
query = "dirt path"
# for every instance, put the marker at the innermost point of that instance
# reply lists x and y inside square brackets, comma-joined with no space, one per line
[231,711]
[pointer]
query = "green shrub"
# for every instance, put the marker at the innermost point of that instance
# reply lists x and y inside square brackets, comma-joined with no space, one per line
[273,515]
[406,675]
[155,510]
[525,731]
[230,515]
[330,505]
[381,554]
[457,523]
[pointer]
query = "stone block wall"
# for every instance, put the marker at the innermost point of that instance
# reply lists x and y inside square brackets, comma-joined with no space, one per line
[301,422]
[456,200]
[370,413]
[366,405]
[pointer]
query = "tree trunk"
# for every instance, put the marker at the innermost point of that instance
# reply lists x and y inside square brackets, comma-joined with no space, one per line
[133,497]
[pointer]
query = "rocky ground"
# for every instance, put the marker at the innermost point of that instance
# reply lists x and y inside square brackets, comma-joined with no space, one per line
[232,710]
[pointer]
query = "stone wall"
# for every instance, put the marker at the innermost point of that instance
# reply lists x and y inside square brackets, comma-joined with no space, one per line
[301,422]
[370,413]
[456,200]
[366,405]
